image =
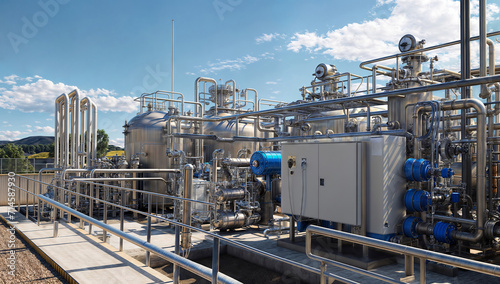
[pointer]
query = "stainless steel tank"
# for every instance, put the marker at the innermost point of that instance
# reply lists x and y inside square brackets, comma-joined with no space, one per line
[227,129]
[146,139]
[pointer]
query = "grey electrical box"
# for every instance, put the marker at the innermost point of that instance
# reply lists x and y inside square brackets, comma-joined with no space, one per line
[326,181]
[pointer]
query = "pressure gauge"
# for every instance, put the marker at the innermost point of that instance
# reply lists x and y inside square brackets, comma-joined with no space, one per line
[323,70]
[407,43]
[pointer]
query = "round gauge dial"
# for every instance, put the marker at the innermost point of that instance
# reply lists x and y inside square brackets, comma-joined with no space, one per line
[407,43]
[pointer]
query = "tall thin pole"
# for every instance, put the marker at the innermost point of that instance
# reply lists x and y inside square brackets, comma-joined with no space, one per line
[173,58]
[465,91]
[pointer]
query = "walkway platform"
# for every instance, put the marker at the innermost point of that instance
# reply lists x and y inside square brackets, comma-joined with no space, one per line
[88,260]
[82,257]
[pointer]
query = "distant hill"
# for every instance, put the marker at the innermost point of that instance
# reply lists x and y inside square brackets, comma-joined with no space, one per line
[31,140]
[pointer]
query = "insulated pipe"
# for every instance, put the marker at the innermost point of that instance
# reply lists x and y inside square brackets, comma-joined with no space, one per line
[186,212]
[94,131]
[91,120]
[75,127]
[61,130]
[481,162]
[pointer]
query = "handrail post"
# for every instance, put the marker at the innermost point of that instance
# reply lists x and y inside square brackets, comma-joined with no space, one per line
[122,216]
[148,239]
[422,270]
[56,229]
[409,265]
[215,259]
[39,215]
[105,214]
[323,270]
[177,250]
[91,206]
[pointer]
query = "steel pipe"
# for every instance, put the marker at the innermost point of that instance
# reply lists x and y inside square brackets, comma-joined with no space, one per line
[481,161]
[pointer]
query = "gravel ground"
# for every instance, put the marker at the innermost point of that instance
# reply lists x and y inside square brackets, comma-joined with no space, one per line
[30,267]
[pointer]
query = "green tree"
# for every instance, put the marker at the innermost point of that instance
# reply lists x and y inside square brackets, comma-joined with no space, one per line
[14,160]
[102,143]
[50,149]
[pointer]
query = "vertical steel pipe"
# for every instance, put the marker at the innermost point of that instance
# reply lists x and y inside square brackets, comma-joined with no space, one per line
[186,214]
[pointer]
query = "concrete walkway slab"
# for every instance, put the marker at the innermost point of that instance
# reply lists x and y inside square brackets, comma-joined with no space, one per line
[85,258]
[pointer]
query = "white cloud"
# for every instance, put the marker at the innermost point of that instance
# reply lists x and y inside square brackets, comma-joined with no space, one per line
[231,64]
[269,37]
[12,77]
[271,83]
[435,21]
[44,129]
[11,135]
[190,73]
[276,92]
[120,142]
[39,96]
[383,2]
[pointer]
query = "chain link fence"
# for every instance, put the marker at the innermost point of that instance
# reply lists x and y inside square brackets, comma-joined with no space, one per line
[24,165]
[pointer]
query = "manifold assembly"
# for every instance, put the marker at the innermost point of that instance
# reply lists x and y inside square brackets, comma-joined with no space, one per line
[404,153]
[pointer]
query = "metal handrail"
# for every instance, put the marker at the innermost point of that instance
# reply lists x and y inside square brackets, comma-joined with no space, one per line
[185,263]
[214,235]
[459,262]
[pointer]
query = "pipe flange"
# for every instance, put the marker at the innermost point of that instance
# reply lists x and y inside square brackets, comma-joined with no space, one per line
[489,229]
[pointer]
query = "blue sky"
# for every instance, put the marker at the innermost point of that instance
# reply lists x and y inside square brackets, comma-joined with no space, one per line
[112,51]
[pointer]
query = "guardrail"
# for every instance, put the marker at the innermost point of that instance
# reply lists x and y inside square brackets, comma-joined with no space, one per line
[146,244]
[422,254]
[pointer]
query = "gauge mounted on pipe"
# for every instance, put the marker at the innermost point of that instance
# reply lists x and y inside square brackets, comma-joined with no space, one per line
[323,70]
[407,43]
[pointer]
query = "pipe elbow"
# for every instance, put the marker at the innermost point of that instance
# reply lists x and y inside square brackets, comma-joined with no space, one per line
[468,237]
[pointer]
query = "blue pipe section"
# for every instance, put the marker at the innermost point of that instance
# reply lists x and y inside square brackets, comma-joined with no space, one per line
[265,163]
